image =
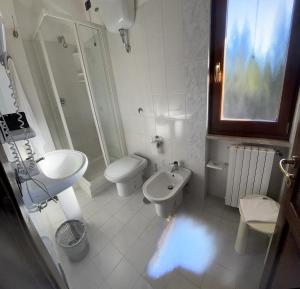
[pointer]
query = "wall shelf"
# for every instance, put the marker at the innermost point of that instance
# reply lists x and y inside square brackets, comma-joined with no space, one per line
[216,165]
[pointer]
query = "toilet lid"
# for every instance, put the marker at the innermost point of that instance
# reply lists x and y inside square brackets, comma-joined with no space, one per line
[122,167]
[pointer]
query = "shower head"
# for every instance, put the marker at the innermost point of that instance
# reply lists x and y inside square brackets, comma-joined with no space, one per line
[3,50]
[61,39]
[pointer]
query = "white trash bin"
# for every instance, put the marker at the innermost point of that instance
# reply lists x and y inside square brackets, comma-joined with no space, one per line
[71,236]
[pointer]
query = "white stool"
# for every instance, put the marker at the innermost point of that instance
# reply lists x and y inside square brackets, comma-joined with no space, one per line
[242,234]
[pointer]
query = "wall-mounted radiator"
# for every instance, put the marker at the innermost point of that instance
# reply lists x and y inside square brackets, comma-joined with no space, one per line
[249,172]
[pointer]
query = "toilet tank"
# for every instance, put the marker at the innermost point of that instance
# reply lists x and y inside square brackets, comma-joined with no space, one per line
[117,14]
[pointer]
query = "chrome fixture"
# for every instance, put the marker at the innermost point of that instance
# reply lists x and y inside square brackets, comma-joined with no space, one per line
[125,39]
[15,31]
[39,159]
[157,140]
[174,166]
[61,40]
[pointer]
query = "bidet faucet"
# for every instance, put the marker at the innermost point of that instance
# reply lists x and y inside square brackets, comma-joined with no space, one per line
[174,166]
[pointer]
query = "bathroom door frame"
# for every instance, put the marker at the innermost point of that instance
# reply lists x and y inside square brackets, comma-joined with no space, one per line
[109,76]
[282,266]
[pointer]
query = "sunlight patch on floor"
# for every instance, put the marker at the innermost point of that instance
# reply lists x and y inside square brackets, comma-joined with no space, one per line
[185,244]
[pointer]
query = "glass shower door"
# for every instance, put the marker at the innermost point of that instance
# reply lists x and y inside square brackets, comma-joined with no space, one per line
[93,52]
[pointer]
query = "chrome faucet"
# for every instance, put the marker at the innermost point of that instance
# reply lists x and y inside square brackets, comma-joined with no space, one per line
[174,166]
[39,159]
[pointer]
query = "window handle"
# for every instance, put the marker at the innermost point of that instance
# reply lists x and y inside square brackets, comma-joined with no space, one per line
[218,73]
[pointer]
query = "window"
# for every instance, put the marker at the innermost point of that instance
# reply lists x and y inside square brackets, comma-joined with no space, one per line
[254,72]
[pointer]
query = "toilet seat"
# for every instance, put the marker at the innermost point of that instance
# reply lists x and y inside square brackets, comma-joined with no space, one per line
[125,168]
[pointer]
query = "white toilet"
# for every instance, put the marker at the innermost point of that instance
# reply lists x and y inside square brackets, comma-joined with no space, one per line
[127,174]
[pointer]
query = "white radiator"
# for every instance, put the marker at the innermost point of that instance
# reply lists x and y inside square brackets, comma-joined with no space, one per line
[249,172]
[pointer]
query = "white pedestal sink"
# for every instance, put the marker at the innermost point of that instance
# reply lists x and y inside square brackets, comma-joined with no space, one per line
[59,170]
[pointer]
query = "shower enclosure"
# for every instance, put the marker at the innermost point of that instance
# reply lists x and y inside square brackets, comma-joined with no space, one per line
[82,110]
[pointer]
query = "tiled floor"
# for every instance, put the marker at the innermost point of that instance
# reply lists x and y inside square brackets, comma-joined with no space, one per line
[132,248]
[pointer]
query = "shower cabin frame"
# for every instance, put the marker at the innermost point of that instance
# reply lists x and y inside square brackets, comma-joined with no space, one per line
[92,189]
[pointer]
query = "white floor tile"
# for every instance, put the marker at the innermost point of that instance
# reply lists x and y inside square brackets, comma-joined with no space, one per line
[125,214]
[218,278]
[111,227]
[177,281]
[83,274]
[139,223]
[100,217]
[228,230]
[124,239]
[107,260]
[114,205]
[90,209]
[231,214]
[141,283]
[124,276]
[139,255]
[148,211]
[136,202]
[157,283]
[195,278]
[226,255]
[97,240]
[154,231]
[124,234]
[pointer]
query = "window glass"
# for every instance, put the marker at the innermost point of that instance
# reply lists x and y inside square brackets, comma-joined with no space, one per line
[256,46]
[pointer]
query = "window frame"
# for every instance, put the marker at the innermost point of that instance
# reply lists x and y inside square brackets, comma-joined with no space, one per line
[256,129]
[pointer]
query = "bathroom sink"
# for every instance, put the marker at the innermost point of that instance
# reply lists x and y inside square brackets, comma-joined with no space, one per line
[59,170]
[67,165]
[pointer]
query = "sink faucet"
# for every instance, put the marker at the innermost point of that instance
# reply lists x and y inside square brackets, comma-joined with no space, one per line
[174,166]
[39,159]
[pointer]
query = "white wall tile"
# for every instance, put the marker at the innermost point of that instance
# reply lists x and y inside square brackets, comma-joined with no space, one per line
[175,79]
[173,31]
[177,106]
[150,126]
[133,124]
[166,75]
[161,105]
[163,127]
[136,143]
